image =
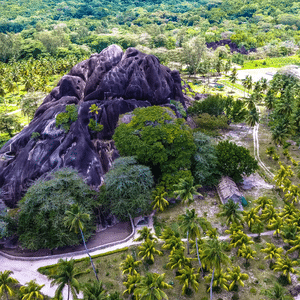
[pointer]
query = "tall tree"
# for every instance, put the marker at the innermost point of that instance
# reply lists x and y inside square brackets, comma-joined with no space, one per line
[151,287]
[75,219]
[129,265]
[94,291]
[186,190]
[31,291]
[190,224]
[65,275]
[6,283]
[188,278]
[145,233]
[231,211]
[147,250]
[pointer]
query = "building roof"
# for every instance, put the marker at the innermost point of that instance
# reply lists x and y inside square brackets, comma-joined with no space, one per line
[227,189]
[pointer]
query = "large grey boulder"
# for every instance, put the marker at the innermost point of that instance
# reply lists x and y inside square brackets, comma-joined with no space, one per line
[117,83]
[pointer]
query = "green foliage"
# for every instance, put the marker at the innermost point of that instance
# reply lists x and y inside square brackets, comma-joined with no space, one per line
[157,139]
[9,124]
[235,161]
[217,105]
[35,136]
[179,107]
[204,162]
[40,218]
[65,119]
[209,123]
[128,188]
[94,126]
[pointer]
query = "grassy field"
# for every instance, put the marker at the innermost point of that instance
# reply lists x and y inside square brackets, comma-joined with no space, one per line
[275,62]
[261,277]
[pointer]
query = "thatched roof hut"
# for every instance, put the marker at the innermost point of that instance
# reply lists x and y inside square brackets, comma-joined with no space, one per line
[227,189]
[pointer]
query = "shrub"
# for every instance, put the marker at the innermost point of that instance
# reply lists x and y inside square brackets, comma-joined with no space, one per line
[65,119]
[235,161]
[35,135]
[209,122]
[94,126]
[253,291]
[179,107]
[128,188]
[158,140]
[42,209]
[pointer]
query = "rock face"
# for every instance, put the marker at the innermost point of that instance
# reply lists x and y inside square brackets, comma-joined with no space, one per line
[117,83]
[233,46]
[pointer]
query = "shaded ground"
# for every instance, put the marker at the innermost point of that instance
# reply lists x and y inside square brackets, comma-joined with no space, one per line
[112,234]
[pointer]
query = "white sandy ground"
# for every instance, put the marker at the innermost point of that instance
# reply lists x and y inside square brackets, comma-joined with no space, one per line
[257,74]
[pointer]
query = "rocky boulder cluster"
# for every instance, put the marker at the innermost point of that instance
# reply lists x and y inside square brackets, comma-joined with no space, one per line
[117,83]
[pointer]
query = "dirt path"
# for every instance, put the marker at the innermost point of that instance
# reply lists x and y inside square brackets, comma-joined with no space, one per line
[256,150]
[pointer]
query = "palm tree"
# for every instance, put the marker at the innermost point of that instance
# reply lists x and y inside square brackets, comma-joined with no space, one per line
[293,194]
[233,76]
[173,243]
[279,134]
[285,265]
[269,213]
[151,287]
[264,84]
[249,82]
[296,246]
[262,202]
[131,284]
[65,275]
[239,238]
[186,190]
[213,257]
[227,67]
[188,278]
[219,280]
[237,277]
[94,291]
[234,227]
[6,283]
[75,220]
[272,251]
[177,259]
[247,253]
[270,151]
[168,233]
[189,223]
[289,232]
[258,228]
[244,83]
[251,217]
[145,233]
[232,212]
[278,292]
[31,291]
[253,117]
[129,265]
[147,250]
[159,201]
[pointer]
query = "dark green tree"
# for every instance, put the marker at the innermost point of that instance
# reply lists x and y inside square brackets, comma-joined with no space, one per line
[234,160]
[128,188]
[158,140]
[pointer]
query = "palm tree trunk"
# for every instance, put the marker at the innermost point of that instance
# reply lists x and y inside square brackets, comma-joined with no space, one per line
[199,257]
[88,254]
[68,291]
[6,294]
[211,283]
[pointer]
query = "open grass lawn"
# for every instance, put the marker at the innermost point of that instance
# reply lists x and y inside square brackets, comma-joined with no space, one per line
[275,62]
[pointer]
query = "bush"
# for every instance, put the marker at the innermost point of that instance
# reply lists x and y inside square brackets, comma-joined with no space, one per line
[128,188]
[65,119]
[204,162]
[235,161]
[42,209]
[158,140]
[208,122]
[253,291]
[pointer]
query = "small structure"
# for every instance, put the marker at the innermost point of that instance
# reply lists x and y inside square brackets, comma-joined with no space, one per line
[227,189]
